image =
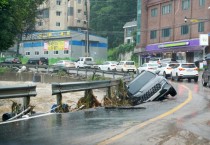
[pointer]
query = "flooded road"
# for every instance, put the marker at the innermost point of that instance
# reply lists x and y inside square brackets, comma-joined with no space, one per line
[180,120]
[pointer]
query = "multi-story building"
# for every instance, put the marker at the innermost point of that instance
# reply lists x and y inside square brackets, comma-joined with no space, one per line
[62,32]
[129,29]
[172,28]
[63,15]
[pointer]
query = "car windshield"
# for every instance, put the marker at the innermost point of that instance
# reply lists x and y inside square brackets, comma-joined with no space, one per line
[188,65]
[151,64]
[130,63]
[140,81]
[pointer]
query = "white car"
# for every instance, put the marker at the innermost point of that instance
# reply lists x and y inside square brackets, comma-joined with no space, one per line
[64,63]
[126,66]
[185,71]
[165,69]
[148,67]
[108,65]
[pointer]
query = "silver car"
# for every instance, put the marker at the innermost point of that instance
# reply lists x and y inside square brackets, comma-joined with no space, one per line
[149,86]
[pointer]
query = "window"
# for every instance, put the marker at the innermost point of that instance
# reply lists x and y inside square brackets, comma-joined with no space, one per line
[78,21]
[154,12]
[56,52]
[58,2]
[40,23]
[58,23]
[58,13]
[45,52]
[44,13]
[185,4]
[166,9]
[66,51]
[36,52]
[201,2]
[166,32]
[70,11]
[201,27]
[28,53]
[184,29]
[79,11]
[79,1]
[153,34]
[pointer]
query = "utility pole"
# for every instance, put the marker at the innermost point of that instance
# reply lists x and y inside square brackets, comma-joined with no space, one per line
[87,30]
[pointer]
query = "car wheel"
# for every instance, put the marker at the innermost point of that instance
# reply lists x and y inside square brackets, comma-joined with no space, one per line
[122,70]
[164,74]
[203,82]
[189,80]
[172,91]
[177,78]
[108,69]
[172,78]
[196,79]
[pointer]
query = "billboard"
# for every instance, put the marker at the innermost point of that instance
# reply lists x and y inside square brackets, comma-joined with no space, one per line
[56,45]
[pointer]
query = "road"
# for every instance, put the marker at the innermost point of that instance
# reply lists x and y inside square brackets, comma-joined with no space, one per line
[182,120]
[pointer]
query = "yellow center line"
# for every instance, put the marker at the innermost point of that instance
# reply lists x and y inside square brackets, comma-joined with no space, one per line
[136,127]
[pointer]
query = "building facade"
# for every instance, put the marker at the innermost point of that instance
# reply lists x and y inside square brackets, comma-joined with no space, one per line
[63,15]
[129,29]
[172,28]
[63,44]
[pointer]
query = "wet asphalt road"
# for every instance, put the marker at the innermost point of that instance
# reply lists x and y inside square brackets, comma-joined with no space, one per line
[184,119]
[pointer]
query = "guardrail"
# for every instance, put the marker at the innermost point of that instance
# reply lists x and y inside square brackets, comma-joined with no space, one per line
[51,68]
[21,91]
[59,88]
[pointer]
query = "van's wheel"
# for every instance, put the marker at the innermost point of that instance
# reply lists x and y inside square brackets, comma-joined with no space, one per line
[172,91]
[172,78]
[164,74]
[177,78]
[196,79]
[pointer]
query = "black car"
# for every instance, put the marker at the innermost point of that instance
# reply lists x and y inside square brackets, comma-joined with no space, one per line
[149,86]
[38,61]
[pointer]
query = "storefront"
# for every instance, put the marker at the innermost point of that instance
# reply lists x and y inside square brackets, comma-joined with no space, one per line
[182,51]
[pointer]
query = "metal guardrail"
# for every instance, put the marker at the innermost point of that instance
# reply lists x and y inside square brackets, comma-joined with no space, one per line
[51,68]
[21,91]
[59,88]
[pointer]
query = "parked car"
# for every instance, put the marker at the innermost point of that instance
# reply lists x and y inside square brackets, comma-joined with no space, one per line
[85,62]
[108,65]
[165,69]
[38,61]
[126,66]
[12,60]
[148,67]
[64,63]
[149,86]
[185,71]
[155,60]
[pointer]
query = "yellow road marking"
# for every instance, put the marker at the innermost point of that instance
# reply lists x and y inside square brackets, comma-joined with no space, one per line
[136,127]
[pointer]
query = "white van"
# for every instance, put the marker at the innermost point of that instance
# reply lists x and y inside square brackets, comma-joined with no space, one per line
[126,66]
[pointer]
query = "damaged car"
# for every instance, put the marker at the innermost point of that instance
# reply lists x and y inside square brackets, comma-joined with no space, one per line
[149,86]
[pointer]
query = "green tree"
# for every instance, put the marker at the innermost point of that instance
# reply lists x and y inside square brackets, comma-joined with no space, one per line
[16,17]
[108,17]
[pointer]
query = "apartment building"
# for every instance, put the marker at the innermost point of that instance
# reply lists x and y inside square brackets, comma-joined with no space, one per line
[173,28]
[63,15]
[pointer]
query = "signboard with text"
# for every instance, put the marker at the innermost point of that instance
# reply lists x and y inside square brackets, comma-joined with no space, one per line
[204,40]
